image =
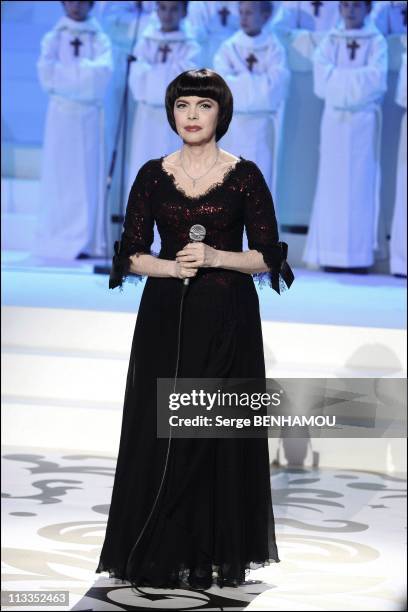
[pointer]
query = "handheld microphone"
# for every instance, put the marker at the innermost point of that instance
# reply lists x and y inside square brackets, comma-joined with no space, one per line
[197,234]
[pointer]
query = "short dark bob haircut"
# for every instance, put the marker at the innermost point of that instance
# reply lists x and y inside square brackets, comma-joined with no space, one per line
[203,83]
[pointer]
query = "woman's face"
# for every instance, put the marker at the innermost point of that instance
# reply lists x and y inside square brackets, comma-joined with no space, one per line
[193,111]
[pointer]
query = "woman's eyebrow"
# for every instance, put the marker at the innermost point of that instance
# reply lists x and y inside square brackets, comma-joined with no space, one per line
[199,102]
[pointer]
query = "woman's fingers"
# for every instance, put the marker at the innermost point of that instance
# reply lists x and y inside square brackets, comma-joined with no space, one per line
[190,263]
[186,257]
[198,254]
[184,271]
[196,249]
[189,269]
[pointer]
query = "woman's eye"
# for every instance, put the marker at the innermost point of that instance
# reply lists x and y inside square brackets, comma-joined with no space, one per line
[182,105]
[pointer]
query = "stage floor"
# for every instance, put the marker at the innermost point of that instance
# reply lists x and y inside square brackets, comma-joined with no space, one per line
[340,535]
[340,530]
[315,297]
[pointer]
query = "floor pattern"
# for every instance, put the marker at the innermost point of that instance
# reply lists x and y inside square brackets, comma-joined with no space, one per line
[341,539]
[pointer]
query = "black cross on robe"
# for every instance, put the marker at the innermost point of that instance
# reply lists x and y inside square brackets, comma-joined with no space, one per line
[316,8]
[223,13]
[353,46]
[76,43]
[164,51]
[251,60]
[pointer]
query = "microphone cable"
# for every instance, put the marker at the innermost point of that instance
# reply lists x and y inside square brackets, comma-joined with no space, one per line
[183,293]
[197,234]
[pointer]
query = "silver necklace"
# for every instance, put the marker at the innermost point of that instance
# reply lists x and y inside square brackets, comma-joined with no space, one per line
[197,178]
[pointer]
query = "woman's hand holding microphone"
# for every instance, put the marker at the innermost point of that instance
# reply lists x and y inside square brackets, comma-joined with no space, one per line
[193,256]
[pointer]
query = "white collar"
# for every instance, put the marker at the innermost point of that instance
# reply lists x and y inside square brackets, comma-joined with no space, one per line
[152,30]
[369,29]
[251,42]
[89,25]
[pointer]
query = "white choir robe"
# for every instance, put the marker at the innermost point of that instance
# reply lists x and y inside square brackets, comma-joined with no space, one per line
[391,126]
[279,18]
[71,216]
[350,69]
[212,23]
[391,19]
[161,56]
[311,16]
[259,95]
[398,243]
[302,28]
[124,12]
[124,23]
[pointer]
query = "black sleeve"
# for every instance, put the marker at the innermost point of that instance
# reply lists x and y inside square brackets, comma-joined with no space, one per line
[262,231]
[137,235]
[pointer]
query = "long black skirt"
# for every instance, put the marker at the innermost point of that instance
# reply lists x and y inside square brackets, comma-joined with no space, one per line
[213,520]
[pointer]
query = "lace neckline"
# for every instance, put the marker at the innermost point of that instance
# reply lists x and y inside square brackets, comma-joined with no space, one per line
[224,179]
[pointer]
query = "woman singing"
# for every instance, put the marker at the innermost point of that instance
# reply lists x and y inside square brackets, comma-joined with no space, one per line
[211,519]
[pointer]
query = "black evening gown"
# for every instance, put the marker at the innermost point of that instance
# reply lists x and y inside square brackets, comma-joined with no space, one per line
[214,518]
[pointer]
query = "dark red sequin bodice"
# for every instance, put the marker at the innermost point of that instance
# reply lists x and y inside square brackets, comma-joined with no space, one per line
[242,200]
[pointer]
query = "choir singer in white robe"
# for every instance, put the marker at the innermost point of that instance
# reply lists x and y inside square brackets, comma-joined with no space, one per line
[74,67]
[212,23]
[350,75]
[398,244]
[165,50]
[301,29]
[253,62]
[391,19]
[124,23]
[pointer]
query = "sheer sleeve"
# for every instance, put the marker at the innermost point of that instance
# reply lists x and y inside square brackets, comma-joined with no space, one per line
[137,235]
[262,231]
